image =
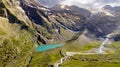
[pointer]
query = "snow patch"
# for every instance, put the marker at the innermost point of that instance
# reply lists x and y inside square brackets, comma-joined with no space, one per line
[67,9]
[102,11]
[57,30]
[62,6]
[45,9]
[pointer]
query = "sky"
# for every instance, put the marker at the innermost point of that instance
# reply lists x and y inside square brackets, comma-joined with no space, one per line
[81,3]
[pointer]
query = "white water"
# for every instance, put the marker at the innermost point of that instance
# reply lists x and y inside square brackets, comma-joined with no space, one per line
[102,47]
[61,61]
[101,50]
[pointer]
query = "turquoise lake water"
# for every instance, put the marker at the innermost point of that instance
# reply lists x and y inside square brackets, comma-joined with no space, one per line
[42,48]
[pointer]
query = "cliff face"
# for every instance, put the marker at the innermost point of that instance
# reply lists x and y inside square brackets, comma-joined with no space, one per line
[52,25]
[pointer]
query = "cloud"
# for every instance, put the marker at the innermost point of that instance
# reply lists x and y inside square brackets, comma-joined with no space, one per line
[73,2]
[82,3]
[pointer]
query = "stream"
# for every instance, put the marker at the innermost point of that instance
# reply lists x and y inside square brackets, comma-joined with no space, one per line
[100,50]
[102,47]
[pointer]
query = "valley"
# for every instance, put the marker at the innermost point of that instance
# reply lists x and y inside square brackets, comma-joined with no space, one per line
[80,58]
[101,50]
[33,34]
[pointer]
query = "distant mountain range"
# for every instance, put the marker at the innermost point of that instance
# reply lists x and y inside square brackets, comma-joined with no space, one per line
[82,11]
[50,3]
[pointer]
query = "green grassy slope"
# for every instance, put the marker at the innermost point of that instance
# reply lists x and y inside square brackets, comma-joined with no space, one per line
[16,43]
[97,60]
[52,56]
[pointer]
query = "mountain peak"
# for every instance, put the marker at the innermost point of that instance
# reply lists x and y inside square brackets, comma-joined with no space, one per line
[61,7]
[107,7]
[73,8]
[32,3]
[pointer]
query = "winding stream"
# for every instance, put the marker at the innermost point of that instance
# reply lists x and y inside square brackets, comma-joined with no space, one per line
[61,61]
[105,42]
[101,50]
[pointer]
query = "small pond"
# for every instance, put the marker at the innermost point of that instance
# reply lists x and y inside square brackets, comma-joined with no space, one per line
[46,47]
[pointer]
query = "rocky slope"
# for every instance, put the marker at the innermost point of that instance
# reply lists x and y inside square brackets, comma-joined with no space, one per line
[52,25]
[49,3]
[16,36]
[105,20]
[74,8]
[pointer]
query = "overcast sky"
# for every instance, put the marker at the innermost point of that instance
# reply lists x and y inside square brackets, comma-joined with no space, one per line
[81,3]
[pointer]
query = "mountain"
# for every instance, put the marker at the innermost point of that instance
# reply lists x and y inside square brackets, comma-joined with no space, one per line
[49,22]
[114,10]
[105,20]
[49,3]
[25,23]
[82,11]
